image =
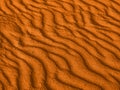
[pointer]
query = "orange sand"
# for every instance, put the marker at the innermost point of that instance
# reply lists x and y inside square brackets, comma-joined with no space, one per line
[59,44]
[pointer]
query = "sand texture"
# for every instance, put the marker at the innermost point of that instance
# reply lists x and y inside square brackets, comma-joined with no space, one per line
[59,44]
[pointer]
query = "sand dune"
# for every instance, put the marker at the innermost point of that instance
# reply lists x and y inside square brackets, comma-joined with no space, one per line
[59,44]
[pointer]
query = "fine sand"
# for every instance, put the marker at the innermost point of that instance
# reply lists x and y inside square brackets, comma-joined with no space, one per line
[59,44]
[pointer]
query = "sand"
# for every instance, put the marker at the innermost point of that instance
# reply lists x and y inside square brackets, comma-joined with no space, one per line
[59,44]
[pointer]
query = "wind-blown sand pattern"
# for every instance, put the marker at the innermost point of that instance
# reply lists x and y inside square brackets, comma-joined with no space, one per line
[59,44]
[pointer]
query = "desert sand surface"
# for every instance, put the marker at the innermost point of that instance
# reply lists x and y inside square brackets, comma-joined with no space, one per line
[59,44]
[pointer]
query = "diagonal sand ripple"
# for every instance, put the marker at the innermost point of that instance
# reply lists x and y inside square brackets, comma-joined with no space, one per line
[59,45]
